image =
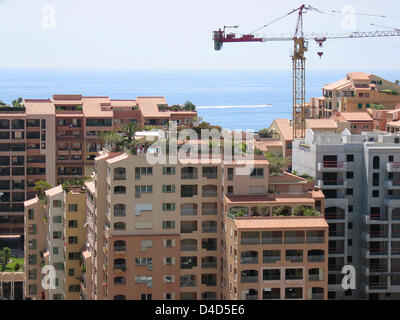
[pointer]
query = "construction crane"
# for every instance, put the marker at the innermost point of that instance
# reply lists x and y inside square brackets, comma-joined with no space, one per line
[300,42]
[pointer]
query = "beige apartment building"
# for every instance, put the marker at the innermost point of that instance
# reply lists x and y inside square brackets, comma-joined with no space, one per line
[57,139]
[54,235]
[357,92]
[198,230]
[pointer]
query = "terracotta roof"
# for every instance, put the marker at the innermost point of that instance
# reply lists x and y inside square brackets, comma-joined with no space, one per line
[92,108]
[284,128]
[149,108]
[337,84]
[358,76]
[30,202]
[264,144]
[286,177]
[394,123]
[321,124]
[281,223]
[355,116]
[53,191]
[117,158]
[39,107]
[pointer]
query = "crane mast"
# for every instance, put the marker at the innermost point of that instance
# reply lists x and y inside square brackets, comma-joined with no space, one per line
[300,42]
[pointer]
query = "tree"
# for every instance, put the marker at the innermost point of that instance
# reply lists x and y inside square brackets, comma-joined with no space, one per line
[6,253]
[129,130]
[276,164]
[189,106]
[397,82]
[113,139]
[17,103]
[40,187]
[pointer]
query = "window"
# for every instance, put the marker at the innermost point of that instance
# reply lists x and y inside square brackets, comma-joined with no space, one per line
[55,250]
[350,208]
[168,224]
[375,162]
[72,240]
[168,170]
[350,157]
[375,179]
[73,207]
[168,188]
[257,173]
[350,242]
[57,235]
[74,288]
[57,203]
[375,193]
[349,259]
[71,272]
[349,175]
[391,158]
[349,192]
[230,173]
[350,225]
[30,214]
[359,106]
[57,219]
[168,206]
[169,243]
[230,189]
[73,223]
[74,256]
[147,296]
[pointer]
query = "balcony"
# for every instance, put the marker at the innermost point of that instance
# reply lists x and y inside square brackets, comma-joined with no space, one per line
[317,296]
[188,209]
[332,166]
[375,252]
[393,166]
[121,267]
[331,184]
[336,234]
[376,218]
[375,235]
[335,216]
[392,185]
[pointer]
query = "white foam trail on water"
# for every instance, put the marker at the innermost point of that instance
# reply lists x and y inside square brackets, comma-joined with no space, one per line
[227,107]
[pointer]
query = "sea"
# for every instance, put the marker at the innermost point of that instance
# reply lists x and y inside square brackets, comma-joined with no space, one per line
[231,99]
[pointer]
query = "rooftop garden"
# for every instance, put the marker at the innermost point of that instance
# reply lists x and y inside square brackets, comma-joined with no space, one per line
[390,91]
[267,133]
[377,106]
[279,211]
[277,164]
[187,106]
[8,263]
[16,105]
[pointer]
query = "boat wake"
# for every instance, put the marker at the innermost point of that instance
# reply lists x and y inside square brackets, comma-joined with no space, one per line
[229,107]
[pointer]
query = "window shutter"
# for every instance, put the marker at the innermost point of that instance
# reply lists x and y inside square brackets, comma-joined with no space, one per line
[173,188]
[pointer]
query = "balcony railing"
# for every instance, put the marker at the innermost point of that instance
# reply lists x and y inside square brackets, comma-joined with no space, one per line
[332,182]
[335,267]
[378,216]
[334,215]
[250,240]
[336,250]
[294,259]
[333,164]
[317,296]
[377,251]
[378,268]
[119,176]
[336,233]
[189,176]
[378,234]
[377,285]
[294,239]
[271,240]
[247,279]
[316,258]
[315,239]
[395,251]
[271,259]
[189,211]
[120,267]
[315,277]
[249,260]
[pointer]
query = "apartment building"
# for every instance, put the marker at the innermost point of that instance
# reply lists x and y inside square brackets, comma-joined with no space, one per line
[175,231]
[358,175]
[57,139]
[357,92]
[55,234]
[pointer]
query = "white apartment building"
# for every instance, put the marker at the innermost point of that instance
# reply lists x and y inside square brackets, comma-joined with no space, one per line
[360,178]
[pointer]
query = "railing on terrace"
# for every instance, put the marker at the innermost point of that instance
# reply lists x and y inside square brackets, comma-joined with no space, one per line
[377,285]
[335,267]
[294,239]
[271,240]
[378,216]
[378,234]
[271,259]
[336,182]
[189,212]
[377,251]
[250,240]
[315,239]
[294,258]
[395,234]
[395,268]
[336,233]
[333,164]
[246,279]
[316,258]
[334,215]
[394,165]
[249,260]
[315,277]
[395,251]
[317,296]
[336,250]
[378,268]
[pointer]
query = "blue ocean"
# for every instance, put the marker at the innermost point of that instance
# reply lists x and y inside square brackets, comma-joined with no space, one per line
[231,99]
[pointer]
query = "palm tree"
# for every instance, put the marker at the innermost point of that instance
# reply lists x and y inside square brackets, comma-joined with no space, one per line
[129,130]
[41,186]
[397,82]
[6,255]
[113,139]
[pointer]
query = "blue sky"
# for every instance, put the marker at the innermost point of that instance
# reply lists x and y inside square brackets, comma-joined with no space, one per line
[176,34]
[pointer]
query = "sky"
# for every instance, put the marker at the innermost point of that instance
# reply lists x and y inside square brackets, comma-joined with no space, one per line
[177,34]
